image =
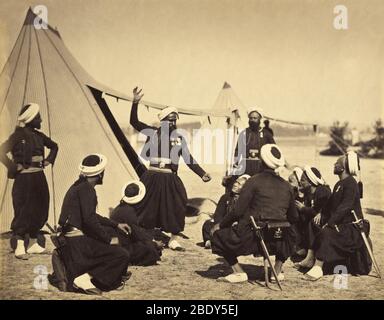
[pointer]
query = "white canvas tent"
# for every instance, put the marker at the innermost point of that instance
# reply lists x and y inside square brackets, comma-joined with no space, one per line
[41,69]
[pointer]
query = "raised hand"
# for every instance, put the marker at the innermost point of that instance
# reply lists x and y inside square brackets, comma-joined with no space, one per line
[137,94]
[207,177]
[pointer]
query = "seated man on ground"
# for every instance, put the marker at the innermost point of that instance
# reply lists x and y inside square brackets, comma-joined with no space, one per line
[340,238]
[312,213]
[226,204]
[268,198]
[294,180]
[93,261]
[143,250]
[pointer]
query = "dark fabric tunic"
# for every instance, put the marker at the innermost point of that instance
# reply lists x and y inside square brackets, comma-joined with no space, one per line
[23,144]
[225,205]
[314,203]
[332,246]
[139,244]
[247,152]
[266,197]
[30,193]
[92,252]
[165,202]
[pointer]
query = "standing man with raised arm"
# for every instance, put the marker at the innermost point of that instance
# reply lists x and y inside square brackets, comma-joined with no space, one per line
[30,193]
[164,205]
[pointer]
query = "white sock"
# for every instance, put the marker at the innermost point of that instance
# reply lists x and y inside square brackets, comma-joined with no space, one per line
[316,272]
[84,282]
[20,249]
[173,243]
[34,247]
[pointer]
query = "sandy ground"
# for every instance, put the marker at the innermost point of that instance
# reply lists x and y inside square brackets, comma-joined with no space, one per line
[192,274]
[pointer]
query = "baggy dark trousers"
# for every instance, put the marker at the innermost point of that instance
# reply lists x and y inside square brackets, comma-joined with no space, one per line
[30,195]
[240,239]
[165,203]
[106,263]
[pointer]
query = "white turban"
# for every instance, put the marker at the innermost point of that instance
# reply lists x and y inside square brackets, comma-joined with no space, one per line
[29,114]
[255,109]
[137,198]
[267,155]
[352,163]
[314,175]
[167,111]
[298,172]
[91,171]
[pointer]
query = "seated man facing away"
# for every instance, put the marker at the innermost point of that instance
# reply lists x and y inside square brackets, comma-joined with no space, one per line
[340,238]
[268,198]
[312,215]
[226,204]
[143,250]
[92,261]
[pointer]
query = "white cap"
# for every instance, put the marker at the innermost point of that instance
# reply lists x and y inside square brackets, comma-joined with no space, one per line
[167,111]
[137,198]
[268,157]
[29,114]
[90,171]
[313,177]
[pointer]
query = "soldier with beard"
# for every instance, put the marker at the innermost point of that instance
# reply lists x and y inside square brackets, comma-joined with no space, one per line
[165,203]
[247,153]
[339,241]
[93,259]
[30,193]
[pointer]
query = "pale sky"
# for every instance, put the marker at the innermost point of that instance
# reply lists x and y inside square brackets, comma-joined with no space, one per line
[284,56]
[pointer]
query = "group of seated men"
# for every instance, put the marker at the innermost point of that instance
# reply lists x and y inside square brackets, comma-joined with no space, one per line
[300,217]
[93,252]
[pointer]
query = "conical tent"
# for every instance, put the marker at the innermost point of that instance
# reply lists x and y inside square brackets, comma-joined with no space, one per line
[227,101]
[41,69]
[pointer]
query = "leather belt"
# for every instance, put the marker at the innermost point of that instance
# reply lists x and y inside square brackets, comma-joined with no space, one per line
[160,160]
[72,232]
[156,169]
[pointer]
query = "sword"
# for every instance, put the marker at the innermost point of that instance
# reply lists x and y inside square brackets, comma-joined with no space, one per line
[266,254]
[50,228]
[370,252]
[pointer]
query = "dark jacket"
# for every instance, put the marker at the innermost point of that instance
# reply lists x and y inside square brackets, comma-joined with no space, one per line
[344,199]
[23,144]
[159,144]
[79,210]
[248,147]
[225,205]
[126,213]
[317,202]
[265,196]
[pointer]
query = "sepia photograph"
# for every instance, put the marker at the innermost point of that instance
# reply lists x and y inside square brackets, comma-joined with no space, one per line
[192,150]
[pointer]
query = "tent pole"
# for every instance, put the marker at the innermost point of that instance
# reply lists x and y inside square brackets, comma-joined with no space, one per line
[234,137]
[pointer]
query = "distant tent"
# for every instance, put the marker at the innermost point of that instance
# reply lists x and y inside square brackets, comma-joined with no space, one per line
[41,69]
[227,101]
